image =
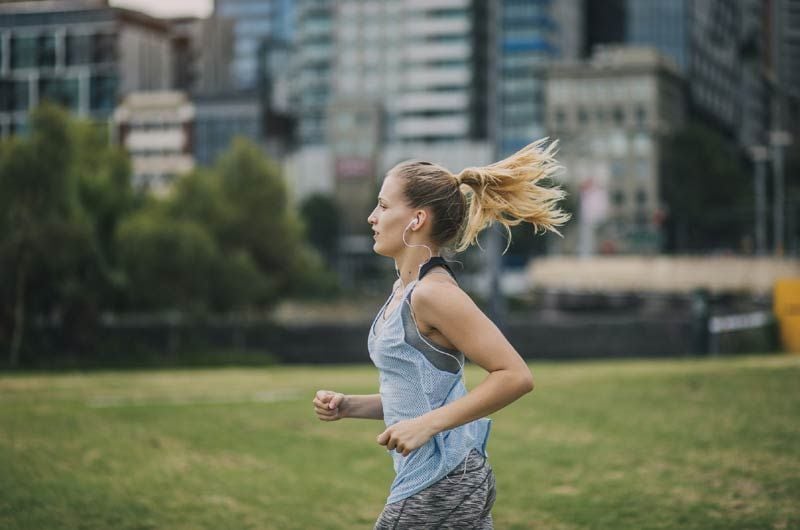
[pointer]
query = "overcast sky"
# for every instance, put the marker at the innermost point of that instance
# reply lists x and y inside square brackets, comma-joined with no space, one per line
[168,8]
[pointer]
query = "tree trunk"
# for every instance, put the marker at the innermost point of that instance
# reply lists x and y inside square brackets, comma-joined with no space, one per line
[19,313]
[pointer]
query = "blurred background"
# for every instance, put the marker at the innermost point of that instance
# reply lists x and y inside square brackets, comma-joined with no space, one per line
[189,181]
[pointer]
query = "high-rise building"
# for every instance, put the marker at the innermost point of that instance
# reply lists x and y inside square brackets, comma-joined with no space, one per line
[712,41]
[444,81]
[604,23]
[782,41]
[784,45]
[312,68]
[254,21]
[79,53]
[530,36]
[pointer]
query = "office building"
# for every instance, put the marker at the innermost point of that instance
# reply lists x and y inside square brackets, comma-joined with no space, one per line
[312,68]
[714,43]
[219,118]
[610,115]
[83,55]
[531,35]
[253,22]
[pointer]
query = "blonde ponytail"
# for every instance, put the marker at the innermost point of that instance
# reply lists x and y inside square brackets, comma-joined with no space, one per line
[507,192]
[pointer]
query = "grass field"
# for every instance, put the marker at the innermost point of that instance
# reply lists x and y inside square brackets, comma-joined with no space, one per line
[688,444]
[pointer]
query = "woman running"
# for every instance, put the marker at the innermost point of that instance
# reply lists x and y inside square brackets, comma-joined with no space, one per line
[436,431]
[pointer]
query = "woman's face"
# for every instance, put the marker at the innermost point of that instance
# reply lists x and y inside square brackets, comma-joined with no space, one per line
[390,218]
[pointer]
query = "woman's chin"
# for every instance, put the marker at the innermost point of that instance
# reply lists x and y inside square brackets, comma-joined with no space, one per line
[377,248]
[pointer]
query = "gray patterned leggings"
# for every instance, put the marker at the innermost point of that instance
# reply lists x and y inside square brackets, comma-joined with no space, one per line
[460,504]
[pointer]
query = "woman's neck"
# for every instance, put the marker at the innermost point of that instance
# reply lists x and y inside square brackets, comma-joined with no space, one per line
[409,262]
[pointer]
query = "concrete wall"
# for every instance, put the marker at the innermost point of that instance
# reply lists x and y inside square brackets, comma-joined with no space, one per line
[661,273]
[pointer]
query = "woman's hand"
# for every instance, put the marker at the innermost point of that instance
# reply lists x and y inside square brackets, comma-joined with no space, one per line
[329,405]
[407,435]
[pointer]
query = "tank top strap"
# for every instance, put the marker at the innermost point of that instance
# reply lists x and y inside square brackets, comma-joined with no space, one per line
[435,261]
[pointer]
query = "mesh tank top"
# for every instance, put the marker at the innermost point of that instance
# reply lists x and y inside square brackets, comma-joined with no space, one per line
[415,378]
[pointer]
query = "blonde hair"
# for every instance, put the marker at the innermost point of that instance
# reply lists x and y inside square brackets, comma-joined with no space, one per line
[507,192]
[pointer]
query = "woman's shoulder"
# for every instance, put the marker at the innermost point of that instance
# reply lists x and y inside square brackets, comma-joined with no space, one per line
[437,288]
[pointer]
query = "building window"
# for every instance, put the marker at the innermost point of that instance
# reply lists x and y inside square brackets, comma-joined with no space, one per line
[13,95]
[63,91]
[641,196]
[78,49]
[103,48]
[618,197]
[23,52]
[619,116]
[618,169]
[643,169]
[600,116]
[47,51]
[583,116]
[103,93]
[560,117]
[641,116]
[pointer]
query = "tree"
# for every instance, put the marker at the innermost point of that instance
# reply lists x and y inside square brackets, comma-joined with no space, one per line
[44,234]
[707,193]
[224,239]
[321,217]
[263,223]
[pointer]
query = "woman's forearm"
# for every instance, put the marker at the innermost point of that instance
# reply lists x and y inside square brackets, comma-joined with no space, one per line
[367,407]
[499,389]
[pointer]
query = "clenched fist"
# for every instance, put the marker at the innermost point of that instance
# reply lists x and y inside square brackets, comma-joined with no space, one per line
[329,405]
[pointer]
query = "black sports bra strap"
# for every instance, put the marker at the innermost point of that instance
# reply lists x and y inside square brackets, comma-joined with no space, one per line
[435,261]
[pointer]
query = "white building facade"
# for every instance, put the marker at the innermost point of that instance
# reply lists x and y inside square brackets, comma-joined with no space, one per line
[156,130]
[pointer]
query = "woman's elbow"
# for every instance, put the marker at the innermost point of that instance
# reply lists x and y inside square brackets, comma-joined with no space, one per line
[526,382]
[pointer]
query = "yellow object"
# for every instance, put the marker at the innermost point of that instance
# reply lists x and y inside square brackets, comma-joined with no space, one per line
[790,332]
[786,305]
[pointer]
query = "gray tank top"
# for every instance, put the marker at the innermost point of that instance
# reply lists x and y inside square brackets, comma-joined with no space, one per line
[416,377]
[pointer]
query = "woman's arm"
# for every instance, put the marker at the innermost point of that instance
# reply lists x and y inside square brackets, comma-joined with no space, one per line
[448,309]
[367,407]
[332,406]
[445,307]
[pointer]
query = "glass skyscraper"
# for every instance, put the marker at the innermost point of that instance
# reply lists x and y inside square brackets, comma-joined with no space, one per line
[532,33]
[254,22]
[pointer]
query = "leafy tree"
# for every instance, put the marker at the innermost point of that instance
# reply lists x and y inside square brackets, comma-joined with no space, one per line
[321,217]
[264,225]
[45,237]
[224,239]
[707,193]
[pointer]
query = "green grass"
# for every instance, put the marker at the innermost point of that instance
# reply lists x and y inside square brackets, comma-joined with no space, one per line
[689,444]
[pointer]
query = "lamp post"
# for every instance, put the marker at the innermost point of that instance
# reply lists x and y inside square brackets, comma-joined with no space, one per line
[778,140]
[497,306]
[760,155]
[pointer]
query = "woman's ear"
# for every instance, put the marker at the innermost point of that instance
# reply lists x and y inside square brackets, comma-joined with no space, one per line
[420,217]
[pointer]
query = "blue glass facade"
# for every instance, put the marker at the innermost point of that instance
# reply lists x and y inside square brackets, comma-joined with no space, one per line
[526,45]
[254,22]
[663,24]
[219,121]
